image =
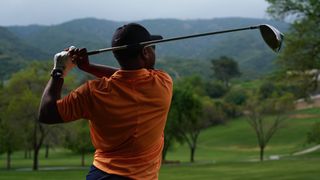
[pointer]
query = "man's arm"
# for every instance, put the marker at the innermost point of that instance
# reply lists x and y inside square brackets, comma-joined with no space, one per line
[80,57]
[48,111]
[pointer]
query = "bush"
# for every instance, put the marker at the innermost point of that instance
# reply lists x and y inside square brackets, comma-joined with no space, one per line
[314,134]
[228,109]
[215,89]
[266,90]
[236,97]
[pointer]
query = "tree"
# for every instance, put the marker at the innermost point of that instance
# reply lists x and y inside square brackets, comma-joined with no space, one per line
[233,102]
[299,10]
[266,90]
[54,137]
[2,107]
[24,89]
[186,109]
[78,139]
[189,115]
[213,112]
[10,139]
[215,89]
[224,69]
[15,123]
[267,117]
[270,88]
[236,96]
[194,83]
[301,55]
[314,134]
[170,135]
[191,112]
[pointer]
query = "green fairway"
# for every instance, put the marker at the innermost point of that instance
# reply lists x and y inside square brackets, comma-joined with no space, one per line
[226,152]
[50,175]
[284,169]
[301,169]
[236,141]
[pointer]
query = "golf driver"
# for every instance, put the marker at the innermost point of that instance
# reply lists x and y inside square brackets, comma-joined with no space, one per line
[270,35]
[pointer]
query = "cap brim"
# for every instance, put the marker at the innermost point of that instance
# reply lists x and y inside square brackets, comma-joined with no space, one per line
[155,37]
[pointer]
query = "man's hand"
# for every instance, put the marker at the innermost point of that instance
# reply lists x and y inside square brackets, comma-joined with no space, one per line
[80,58]
[63,61]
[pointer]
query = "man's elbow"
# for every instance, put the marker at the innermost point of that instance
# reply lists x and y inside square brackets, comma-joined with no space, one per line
[49,117]
[49,120]
[41,118]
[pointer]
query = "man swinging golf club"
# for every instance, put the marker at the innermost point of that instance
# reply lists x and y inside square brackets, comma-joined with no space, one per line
[127,108]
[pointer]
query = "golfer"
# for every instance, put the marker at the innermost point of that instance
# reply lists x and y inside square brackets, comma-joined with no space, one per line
[126,108]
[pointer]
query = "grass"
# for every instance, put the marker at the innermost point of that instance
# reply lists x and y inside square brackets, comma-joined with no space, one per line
[286,169]
[236,140]
[57,157]
[39,175]
[283,169]
[224,152]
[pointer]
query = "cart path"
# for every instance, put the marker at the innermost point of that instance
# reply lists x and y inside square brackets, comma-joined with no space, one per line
[306,151]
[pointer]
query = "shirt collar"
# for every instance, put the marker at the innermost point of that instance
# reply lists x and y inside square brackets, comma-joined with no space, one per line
[131,73]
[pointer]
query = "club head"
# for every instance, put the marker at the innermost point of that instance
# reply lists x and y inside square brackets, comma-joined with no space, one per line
[271,36]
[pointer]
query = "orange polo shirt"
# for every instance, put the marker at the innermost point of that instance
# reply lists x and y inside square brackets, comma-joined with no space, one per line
[127,114]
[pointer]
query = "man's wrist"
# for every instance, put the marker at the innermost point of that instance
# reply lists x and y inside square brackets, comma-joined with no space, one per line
[86,67]
[57,73]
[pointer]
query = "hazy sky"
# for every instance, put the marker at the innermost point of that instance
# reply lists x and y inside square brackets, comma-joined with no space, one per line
[47,12]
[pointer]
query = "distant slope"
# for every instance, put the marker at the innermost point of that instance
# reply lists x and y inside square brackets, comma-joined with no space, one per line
[13,52]
[90,33]
[245,47]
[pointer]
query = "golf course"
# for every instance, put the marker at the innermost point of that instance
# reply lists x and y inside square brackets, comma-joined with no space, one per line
[160,90]
[228,151]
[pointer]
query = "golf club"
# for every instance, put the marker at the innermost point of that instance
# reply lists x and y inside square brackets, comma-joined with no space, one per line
[270,35]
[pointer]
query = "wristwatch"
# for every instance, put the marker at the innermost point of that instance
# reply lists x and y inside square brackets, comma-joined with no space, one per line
[56,73]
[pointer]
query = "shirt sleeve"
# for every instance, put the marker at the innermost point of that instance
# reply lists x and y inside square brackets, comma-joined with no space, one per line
[76,104]
[165,79]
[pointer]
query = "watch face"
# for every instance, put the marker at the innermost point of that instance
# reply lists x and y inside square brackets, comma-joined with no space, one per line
[56,73]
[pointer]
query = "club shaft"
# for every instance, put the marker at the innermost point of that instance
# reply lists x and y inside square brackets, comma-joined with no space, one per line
[169,39]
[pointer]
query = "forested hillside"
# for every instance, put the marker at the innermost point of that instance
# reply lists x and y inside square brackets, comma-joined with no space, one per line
[246,47]
[14,53]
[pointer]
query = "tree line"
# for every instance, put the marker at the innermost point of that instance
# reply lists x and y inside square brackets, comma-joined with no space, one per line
[197,104]
[19,126]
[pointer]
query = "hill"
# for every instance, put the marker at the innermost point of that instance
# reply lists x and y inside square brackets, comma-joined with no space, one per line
[246,47]
[14,52]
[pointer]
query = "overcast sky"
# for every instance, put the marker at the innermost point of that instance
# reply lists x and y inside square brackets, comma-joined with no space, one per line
[48,12]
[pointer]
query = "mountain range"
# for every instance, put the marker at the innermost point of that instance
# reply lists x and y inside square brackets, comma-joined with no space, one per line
[20,44]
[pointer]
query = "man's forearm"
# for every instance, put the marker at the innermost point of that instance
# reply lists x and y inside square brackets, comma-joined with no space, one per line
[48,111]
[100,70]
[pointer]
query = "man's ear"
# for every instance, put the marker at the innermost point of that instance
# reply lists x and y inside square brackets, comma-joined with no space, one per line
[145,53]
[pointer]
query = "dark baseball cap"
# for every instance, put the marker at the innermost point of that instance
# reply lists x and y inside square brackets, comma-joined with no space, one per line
[132,34]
